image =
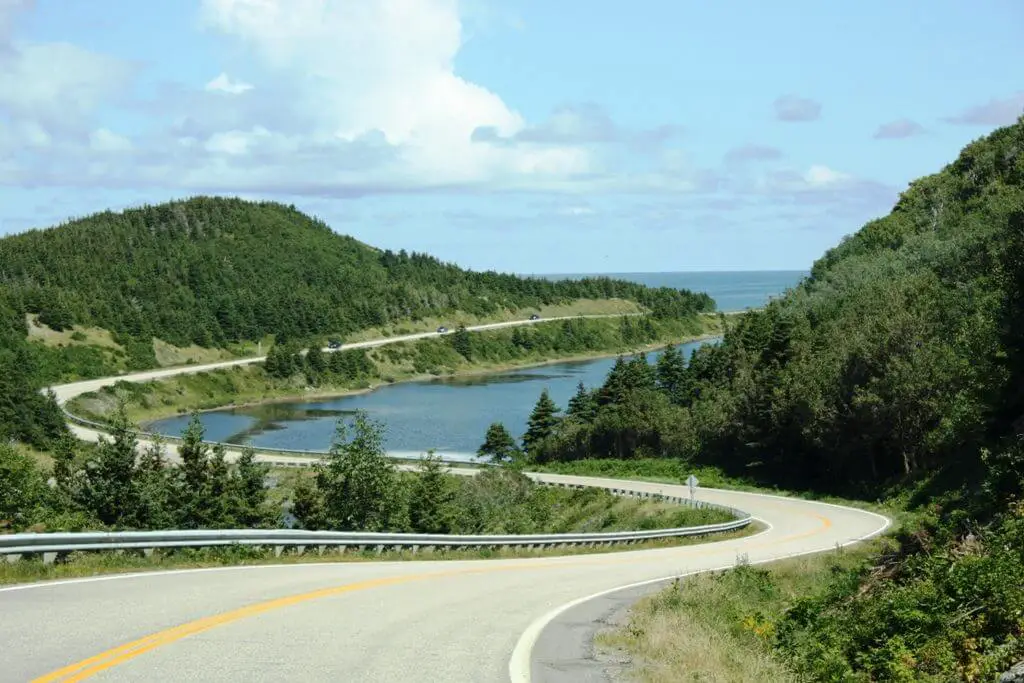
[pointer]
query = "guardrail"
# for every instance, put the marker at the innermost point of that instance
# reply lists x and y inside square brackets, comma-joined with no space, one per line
[15,547]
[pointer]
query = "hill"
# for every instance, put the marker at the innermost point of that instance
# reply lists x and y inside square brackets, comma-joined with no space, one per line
[896,368]
[212,272]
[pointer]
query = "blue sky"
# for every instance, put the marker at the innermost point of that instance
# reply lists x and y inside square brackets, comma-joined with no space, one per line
[520,135]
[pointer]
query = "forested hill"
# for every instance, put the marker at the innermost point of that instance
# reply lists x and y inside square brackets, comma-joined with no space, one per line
[900,358]
[213,270]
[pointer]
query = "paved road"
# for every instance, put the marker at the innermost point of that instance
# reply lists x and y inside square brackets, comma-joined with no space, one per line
[453,621]
[375,622]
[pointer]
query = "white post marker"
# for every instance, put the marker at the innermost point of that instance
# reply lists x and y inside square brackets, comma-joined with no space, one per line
[692,482]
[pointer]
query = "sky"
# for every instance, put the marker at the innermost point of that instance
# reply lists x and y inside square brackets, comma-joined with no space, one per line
[519,135]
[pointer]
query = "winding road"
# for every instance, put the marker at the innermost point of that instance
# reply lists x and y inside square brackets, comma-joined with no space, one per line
[472,620]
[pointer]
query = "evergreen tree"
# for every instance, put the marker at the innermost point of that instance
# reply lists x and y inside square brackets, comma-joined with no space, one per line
[195,472]
[462,342]
[64,465]
[583,404]
[218,504]
[431,497]
[499,446]
[316,363]
[110,489]
[542,422]
[157,488]
[252,508]
[671,374]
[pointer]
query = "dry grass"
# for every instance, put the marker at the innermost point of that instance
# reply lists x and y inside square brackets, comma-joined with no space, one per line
[87,336]
[718,627]
[168,355]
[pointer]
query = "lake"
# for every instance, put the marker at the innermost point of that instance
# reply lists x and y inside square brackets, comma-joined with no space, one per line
[451,415]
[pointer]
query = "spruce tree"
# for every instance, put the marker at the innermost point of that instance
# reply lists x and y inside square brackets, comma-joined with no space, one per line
[541,424]
[583,404]
[671,374]
[498,445]
[431,496]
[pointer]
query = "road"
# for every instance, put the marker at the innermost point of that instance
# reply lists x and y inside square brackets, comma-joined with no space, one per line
[472,620]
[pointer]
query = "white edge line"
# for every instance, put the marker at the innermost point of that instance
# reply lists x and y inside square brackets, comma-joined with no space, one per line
[520,664]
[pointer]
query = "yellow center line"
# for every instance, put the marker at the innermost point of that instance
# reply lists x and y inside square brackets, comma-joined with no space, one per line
[91,666]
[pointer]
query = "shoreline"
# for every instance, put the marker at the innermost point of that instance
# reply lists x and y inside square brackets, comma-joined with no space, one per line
[474,372]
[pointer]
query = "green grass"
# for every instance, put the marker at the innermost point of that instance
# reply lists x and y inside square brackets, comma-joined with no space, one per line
[96,564]
[719,626]
[675,471]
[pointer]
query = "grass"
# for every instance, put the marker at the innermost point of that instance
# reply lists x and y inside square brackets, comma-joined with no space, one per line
[675,471]
[96,564]
[718,627]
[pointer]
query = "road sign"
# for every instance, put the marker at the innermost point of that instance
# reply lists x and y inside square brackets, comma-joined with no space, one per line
[692,482]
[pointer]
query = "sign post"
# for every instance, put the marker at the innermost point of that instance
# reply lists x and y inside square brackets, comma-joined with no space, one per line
[692,482]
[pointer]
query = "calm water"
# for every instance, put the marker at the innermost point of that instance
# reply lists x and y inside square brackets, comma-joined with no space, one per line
[452,415]
[449,415]
[732,291]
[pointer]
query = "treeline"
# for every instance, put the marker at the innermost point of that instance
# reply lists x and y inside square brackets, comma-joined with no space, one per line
[211,271]
[628,417]
[117,485]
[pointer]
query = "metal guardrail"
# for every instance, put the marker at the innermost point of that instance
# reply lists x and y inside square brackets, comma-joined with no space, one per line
[52,545]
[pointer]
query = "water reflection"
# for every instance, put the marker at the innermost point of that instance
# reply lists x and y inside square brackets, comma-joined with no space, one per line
[449,415]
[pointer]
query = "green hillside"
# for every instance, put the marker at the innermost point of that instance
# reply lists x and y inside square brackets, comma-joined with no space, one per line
[211,270]
[895,369]
[112,291]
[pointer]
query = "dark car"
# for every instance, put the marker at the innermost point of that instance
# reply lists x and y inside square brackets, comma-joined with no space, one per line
[334,344]
[442,329]
[534,317]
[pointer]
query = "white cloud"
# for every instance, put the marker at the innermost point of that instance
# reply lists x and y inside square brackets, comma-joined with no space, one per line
[823,176]
[224,84]
[104,140]
[57,82]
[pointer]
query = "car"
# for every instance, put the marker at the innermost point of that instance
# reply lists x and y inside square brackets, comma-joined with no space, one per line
[534,317]
[442,329]
[334,344]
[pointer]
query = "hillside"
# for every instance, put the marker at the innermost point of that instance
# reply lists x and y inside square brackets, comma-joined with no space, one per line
[211,270]
[113,290]
[895,369]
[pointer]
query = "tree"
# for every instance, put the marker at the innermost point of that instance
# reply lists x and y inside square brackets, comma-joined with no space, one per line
[22,488]
[316,363]
[431,497]
[583,404]
[110,489]
[462,342]
[251,507]
[64,465]
[499,445]
[195,473]
[158,488]
[671,375]
[358,480]
[542,422]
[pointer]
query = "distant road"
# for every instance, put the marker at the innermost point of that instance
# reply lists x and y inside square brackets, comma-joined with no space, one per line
[378,622]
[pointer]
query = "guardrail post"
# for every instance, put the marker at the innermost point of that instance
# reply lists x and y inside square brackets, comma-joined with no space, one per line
[147,552]
[299,549]
[278,549]
[49,558]
[13,558]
